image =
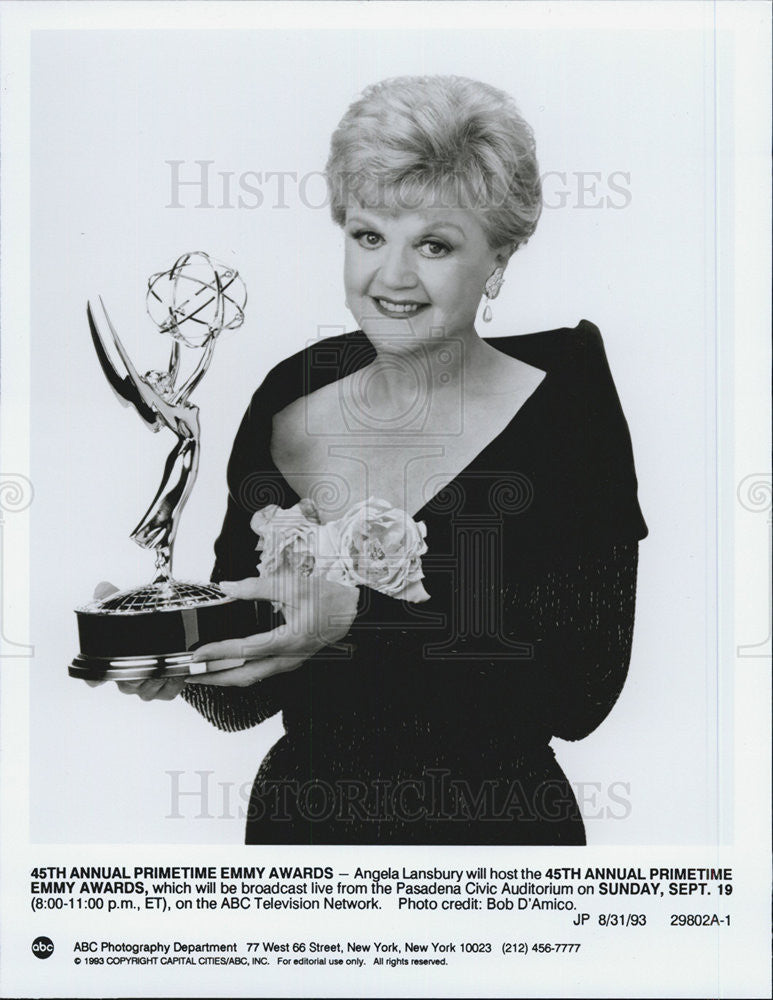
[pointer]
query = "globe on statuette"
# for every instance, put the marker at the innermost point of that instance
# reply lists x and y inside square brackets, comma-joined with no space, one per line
[196,299]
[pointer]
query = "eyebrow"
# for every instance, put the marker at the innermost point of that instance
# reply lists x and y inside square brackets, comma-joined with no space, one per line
[356,220]
[430,226]
[445,225]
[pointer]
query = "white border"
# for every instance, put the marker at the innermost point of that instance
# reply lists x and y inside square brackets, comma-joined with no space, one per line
[742,415]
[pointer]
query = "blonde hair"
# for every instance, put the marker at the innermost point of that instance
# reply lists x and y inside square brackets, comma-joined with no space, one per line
[441,139]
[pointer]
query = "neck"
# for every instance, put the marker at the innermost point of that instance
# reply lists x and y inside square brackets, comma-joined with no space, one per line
[436,364]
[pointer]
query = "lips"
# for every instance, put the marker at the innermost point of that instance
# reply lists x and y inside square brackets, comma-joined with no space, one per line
[396,309]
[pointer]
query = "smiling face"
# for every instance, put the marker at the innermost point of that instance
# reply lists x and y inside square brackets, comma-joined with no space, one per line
[412,273]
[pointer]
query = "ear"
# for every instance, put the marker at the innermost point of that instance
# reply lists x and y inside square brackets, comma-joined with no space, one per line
[503,254]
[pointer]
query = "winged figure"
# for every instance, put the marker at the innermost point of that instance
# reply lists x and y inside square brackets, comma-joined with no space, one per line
[160,404]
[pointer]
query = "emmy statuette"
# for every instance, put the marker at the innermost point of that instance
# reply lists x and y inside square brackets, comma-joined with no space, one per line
[151,631]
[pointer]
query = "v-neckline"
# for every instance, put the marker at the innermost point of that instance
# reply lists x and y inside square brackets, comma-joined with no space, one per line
[421,512]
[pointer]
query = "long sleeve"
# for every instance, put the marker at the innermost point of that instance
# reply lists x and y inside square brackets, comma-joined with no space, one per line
[580,613]
[233,708]
[577,542]
[252,483]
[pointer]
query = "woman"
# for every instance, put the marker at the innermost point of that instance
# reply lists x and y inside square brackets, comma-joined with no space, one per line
[431,722]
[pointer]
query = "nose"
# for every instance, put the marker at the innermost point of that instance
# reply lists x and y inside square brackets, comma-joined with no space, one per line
[397,268]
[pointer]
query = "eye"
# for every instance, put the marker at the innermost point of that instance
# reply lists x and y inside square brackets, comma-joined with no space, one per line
[434,249]
[368,239]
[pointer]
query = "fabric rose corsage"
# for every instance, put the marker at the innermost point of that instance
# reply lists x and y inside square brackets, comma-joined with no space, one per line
[287,538]
[380,546]
[373,545]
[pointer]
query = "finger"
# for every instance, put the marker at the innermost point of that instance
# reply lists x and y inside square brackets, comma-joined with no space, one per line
[172,687]
[260,644]
[94,684]
[104,589]
[251,588]
[129,687]
[210,666]
[150,689]
[252,672]
[145,689]
[257,588]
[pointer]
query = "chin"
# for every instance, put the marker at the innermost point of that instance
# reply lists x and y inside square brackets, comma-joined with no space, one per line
[409,330]
[397,335]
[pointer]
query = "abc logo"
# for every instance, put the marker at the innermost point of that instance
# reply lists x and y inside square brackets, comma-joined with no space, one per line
[42,947]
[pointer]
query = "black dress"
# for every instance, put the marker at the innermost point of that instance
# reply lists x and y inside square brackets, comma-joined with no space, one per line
[431,723]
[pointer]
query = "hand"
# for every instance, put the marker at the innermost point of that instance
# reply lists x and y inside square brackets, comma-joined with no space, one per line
[317,613]
[154,688]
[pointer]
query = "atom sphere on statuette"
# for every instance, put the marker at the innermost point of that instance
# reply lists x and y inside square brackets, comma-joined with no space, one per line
[196,299]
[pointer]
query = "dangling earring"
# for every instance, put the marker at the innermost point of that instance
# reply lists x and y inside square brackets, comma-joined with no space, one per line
[491,290]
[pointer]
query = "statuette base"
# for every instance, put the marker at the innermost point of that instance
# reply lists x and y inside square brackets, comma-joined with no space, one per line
[152,631]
